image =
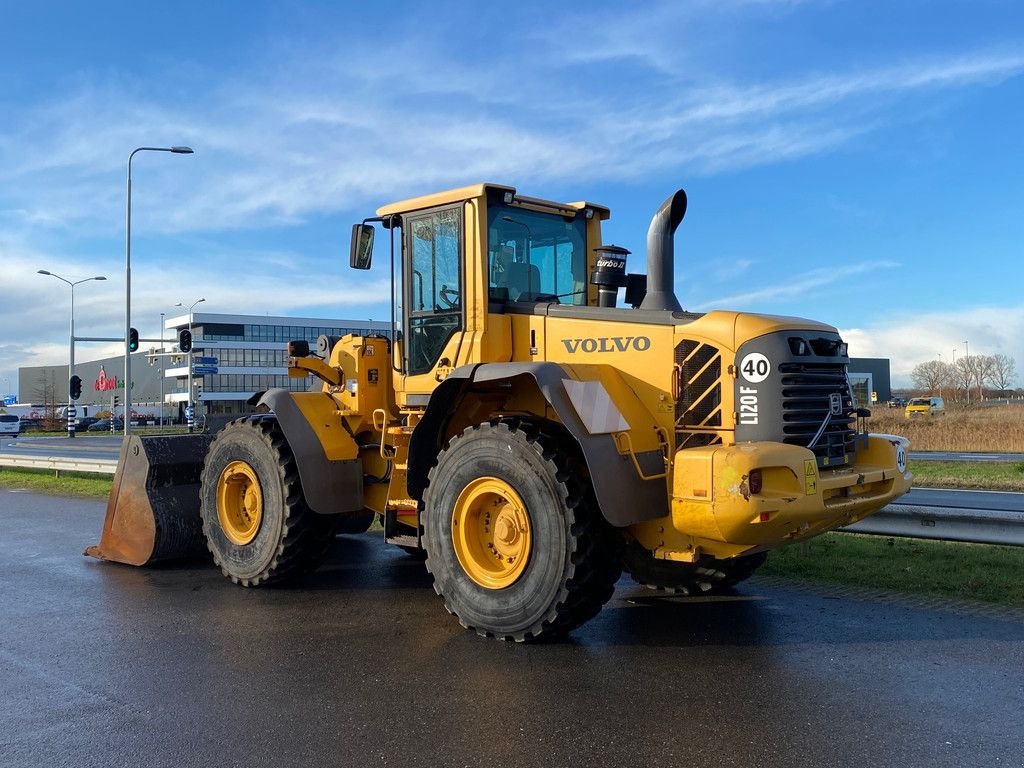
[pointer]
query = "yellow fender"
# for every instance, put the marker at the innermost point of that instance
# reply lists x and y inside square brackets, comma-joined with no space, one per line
[325,453]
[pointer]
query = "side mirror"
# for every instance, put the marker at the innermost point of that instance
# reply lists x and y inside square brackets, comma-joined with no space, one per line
[361,250]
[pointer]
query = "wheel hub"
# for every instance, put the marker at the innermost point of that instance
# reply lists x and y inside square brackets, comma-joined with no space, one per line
[239,502]
[491,532]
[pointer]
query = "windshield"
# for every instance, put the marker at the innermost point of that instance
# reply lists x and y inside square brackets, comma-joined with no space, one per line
[533,256]
[920,401]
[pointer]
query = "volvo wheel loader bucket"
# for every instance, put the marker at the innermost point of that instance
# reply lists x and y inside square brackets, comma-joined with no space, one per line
[153,509]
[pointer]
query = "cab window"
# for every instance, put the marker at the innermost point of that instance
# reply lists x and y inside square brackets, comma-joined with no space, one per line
[433,284]
[536,256]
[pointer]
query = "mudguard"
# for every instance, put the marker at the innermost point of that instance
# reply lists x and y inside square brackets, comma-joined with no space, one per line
[326,455]
[623,495]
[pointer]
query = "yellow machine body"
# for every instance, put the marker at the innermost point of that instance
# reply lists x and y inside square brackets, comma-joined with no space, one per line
[629,360]
[502,318]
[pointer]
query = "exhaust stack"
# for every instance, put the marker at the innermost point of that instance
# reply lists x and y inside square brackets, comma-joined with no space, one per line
[661,255]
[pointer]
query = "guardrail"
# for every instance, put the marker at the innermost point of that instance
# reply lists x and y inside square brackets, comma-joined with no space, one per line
[59,464]
[979,526]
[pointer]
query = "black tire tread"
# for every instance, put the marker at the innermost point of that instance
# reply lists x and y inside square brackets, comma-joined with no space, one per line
[596,559]
[307,535]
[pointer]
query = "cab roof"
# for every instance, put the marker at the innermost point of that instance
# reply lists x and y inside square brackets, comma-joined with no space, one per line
[481,190]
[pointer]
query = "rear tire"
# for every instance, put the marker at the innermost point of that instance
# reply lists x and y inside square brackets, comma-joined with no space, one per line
[255,518]
[515,491]
[707,575]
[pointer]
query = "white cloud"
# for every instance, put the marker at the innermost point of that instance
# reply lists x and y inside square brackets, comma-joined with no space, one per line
[910,339]
[35,311]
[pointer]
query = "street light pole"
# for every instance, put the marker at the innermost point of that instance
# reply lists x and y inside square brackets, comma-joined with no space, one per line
[967,355]
[71,337]
[188,408]
[128,280]
[161,370]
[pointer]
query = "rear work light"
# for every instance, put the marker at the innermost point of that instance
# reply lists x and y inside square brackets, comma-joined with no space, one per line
[755,481]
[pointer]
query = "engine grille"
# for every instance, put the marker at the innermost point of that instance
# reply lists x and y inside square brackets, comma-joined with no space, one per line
[807,390]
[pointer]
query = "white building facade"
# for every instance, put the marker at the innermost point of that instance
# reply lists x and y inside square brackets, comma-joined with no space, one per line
[251,356]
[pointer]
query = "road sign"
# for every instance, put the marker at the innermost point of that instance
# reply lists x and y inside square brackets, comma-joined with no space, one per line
[205,360]
[188,412]
[203,370]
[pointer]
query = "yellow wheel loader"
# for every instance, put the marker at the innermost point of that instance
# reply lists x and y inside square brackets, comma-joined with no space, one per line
[523,432]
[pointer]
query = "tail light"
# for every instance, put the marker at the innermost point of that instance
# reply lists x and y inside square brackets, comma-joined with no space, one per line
[755,481]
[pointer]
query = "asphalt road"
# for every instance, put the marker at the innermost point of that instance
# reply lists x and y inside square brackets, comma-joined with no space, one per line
[106,665]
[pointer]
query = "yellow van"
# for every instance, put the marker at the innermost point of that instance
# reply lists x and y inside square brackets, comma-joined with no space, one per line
[924,406]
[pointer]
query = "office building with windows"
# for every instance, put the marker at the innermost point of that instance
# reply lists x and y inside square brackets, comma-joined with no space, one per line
[250,353]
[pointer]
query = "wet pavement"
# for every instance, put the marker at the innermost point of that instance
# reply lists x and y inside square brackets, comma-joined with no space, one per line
[106,665]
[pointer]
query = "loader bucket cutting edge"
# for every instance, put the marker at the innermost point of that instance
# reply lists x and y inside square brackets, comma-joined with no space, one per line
[153,508]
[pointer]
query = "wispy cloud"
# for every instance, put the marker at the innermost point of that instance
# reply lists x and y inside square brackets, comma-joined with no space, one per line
[808,281]
[300,132]
[329,134]
[732,269]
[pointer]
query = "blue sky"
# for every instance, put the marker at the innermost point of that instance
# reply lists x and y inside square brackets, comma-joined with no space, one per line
[859,163]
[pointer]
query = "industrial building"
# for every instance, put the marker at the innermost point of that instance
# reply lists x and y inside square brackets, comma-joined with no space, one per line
[247,352]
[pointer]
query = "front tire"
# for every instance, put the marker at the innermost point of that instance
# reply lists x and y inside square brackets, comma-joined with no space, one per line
[514,538]
[255,518]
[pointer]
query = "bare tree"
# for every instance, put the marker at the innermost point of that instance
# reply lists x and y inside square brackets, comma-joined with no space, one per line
[46,394]
[982,372]
[1001,373]
[963,374]
[929,376]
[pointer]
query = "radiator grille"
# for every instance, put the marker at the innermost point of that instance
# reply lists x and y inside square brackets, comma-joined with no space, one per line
[807,390]
[699,406]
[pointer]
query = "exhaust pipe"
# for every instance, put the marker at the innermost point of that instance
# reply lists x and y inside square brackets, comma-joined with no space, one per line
[661,255]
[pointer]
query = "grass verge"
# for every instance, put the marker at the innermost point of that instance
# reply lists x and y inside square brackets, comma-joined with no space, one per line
[68,484]
[915,566]
[987,475]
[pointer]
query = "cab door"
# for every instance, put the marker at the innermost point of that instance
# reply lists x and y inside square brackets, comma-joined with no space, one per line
[433,314]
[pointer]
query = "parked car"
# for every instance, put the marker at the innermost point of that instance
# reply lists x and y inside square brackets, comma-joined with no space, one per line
[924,406]
[10,424]
[103,425]
[897,402]
[85,422]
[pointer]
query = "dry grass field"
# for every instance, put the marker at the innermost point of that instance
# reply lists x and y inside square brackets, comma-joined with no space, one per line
[998,428]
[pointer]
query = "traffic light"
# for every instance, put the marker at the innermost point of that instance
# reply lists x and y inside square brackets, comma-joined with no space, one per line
[133,340]
[117,401]
[75,387]
[185,340]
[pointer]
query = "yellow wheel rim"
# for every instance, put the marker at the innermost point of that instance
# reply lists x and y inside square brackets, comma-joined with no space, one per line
[491,533]
[239,502]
